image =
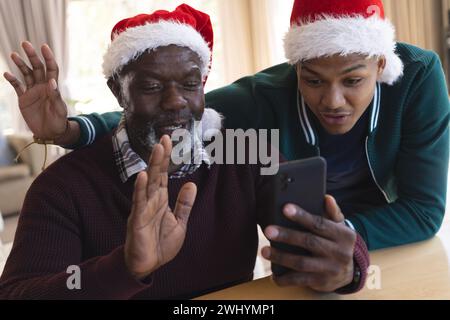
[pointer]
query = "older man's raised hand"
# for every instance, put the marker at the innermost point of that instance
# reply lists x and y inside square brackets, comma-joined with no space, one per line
[40,101]
[155,233]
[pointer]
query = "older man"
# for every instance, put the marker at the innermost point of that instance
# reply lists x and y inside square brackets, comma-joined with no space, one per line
[106,213]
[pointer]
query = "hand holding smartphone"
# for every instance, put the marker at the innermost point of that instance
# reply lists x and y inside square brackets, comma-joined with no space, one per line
[302,183]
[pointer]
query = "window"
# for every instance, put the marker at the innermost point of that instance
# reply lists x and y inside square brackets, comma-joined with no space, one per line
[280,25]
[89,29]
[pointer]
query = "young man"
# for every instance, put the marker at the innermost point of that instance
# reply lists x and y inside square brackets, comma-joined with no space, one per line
[105,212]
[377,110]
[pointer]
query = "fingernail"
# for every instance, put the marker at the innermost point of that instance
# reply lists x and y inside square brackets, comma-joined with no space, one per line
[53,84]
[265,252]
[272,233]
[289,210]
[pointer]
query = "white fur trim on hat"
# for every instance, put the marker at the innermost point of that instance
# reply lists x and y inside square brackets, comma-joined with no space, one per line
[211,123]
[131,43]
[345,35]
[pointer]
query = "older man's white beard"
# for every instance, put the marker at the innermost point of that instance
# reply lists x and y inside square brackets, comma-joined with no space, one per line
[147,136]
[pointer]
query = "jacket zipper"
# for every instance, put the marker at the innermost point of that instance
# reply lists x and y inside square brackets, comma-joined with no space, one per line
[373,175]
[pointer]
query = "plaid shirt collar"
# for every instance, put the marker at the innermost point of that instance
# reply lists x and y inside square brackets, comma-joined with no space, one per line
[130,163]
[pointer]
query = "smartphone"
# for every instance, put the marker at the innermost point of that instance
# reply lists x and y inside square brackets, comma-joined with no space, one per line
[303,183]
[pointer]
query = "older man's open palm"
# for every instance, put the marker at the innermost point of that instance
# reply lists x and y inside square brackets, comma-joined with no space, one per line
[155,233]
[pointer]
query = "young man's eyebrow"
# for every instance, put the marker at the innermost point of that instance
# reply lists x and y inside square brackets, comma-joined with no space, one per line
[353,68]
[348,70]
[304,67]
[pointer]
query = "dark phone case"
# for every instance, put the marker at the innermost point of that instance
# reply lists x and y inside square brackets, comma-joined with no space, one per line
[303,183]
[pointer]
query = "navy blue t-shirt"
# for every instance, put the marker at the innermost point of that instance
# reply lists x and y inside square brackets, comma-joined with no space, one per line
[349,179]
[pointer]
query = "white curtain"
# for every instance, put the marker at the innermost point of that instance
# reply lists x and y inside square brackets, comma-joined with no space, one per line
[419,22]
[236,39]
[252,34]
[270,22]
[422,23]
[38,21]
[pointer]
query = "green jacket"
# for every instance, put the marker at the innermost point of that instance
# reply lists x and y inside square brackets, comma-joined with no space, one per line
[407,143]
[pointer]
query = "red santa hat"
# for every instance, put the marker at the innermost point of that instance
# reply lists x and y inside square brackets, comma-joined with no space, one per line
[328,27]
[184,27]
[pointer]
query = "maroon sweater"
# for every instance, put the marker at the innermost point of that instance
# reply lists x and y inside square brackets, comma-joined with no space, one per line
[76,211]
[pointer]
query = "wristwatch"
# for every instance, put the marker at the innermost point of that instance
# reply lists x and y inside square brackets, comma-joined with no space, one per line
[356,274]
[354,284]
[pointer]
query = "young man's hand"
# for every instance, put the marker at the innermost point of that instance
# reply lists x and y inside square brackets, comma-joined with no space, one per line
[155,234]
[329,241]
[40,101]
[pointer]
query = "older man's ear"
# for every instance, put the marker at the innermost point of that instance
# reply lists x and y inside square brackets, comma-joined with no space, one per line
[114,86]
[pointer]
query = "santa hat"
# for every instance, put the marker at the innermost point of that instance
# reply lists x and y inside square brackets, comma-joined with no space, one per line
[328,27]
[184,27]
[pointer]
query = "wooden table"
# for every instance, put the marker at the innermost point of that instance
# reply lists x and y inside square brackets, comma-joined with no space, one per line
[417,271]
